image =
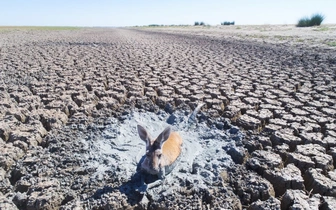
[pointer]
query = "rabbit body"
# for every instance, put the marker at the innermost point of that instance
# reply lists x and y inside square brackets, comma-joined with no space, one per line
[161,152]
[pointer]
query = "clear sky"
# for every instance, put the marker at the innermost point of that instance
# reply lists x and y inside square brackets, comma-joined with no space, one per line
[144,12]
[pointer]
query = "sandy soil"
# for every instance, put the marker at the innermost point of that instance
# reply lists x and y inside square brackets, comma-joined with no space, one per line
[318,36]
[70,101]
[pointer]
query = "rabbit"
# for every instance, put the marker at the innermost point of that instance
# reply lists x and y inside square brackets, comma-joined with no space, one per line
[162,152]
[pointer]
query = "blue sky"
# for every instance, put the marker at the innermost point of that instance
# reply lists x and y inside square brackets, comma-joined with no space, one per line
[144,12]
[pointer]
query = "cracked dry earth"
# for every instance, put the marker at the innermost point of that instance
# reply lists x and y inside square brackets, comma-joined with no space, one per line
[67,95]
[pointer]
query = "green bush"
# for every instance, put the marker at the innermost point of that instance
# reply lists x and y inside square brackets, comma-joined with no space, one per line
[226,23]
[154,25]
[199,23]
[303,22]
[315,20]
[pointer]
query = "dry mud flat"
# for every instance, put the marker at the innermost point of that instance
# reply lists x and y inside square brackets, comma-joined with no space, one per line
[70,101]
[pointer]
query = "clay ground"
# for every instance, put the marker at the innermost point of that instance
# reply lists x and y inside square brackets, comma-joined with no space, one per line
[269,94]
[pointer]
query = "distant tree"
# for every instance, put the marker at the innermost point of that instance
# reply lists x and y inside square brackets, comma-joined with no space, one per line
[226,23]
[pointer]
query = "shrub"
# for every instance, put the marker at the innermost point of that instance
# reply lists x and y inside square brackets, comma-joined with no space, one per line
[226,23]
[315,20]
[303,22]
[199,23]
[154,25]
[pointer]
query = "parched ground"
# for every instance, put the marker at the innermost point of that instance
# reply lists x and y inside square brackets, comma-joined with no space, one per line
[277,84]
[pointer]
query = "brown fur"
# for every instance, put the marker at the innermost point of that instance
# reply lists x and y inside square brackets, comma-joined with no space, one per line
[171,148]
[161,152]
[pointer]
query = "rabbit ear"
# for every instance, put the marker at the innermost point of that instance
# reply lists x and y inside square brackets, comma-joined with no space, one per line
[144,134]
[163,136]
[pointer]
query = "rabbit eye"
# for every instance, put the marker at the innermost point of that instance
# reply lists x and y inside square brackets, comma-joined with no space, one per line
[159,155]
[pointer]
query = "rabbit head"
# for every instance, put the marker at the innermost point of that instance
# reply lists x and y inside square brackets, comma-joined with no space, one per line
[155,158]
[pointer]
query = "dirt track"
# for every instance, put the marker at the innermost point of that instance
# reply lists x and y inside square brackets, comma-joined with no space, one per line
[57,87]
